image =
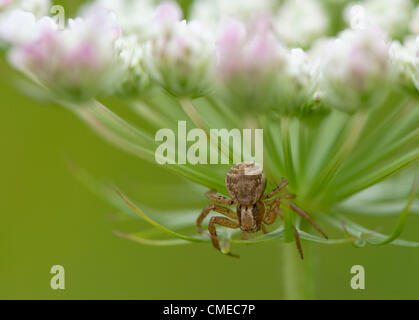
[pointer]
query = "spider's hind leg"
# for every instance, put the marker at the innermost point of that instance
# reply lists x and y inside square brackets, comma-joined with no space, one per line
[213,232]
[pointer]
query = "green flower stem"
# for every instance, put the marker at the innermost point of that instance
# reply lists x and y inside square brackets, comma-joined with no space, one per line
[225,112]
[196,119]
[190,110]
[351,138]
[296,274]
[144,110]
[286,143]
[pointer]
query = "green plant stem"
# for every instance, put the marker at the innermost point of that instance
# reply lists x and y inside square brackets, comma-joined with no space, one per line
[286,143]
[196,119]
[190,110]
[297,277]
[349,143]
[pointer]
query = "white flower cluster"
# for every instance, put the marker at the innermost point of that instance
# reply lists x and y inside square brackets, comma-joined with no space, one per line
[355,68]
[77,62]
[405,60]
[132,16]
[214,13]
[247,61]
[38,7]
[300,22]
[256,69]
[391,16]
[414,24]
[256,54]
[180,54]
[296,22]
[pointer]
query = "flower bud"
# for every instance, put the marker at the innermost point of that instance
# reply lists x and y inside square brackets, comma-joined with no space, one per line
[134,17]
[391,16]
[354,68]
[76,63]
[405,62]
[300,22]
[135,79]
[297,83]
[179,57]
[414,23]
[257,72]
[18,27]
[216,12]
[38,7]
[247,63]
[4,4]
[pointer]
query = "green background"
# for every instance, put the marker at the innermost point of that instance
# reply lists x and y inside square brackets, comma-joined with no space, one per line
[47,218]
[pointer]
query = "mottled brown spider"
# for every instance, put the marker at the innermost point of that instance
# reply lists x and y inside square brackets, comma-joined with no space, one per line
[246,185]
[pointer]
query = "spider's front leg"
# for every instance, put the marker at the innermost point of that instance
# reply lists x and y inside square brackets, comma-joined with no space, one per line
[218,198]
[270,216]
[272,213]
[274,203]
[275,191]
[213,232]
[213,207]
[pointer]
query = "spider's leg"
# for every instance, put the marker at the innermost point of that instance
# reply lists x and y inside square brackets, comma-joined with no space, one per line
[270,215]
[273,202]
[213,207]
[306,216]
[298,242]
[218,198]
[276,190]
[213,232]
[265,231]
[295,232]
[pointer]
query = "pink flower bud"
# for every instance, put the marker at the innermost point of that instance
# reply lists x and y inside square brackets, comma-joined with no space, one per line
[168,12]
[77,62]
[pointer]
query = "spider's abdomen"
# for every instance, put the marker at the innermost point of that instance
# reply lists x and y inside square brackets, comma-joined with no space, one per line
[246,183]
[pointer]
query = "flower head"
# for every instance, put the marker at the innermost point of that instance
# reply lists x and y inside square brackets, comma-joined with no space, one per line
[19,27]
[354,68]
[17,19]
[216,12]
[257,71]
[180,54]
[38,7]
[78,62]
[5,3]
[246,50]
[405,61]
[392,16]
[414,23]
[134,79]
[134,17]
[299,23]
[247,59]
[297,82]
